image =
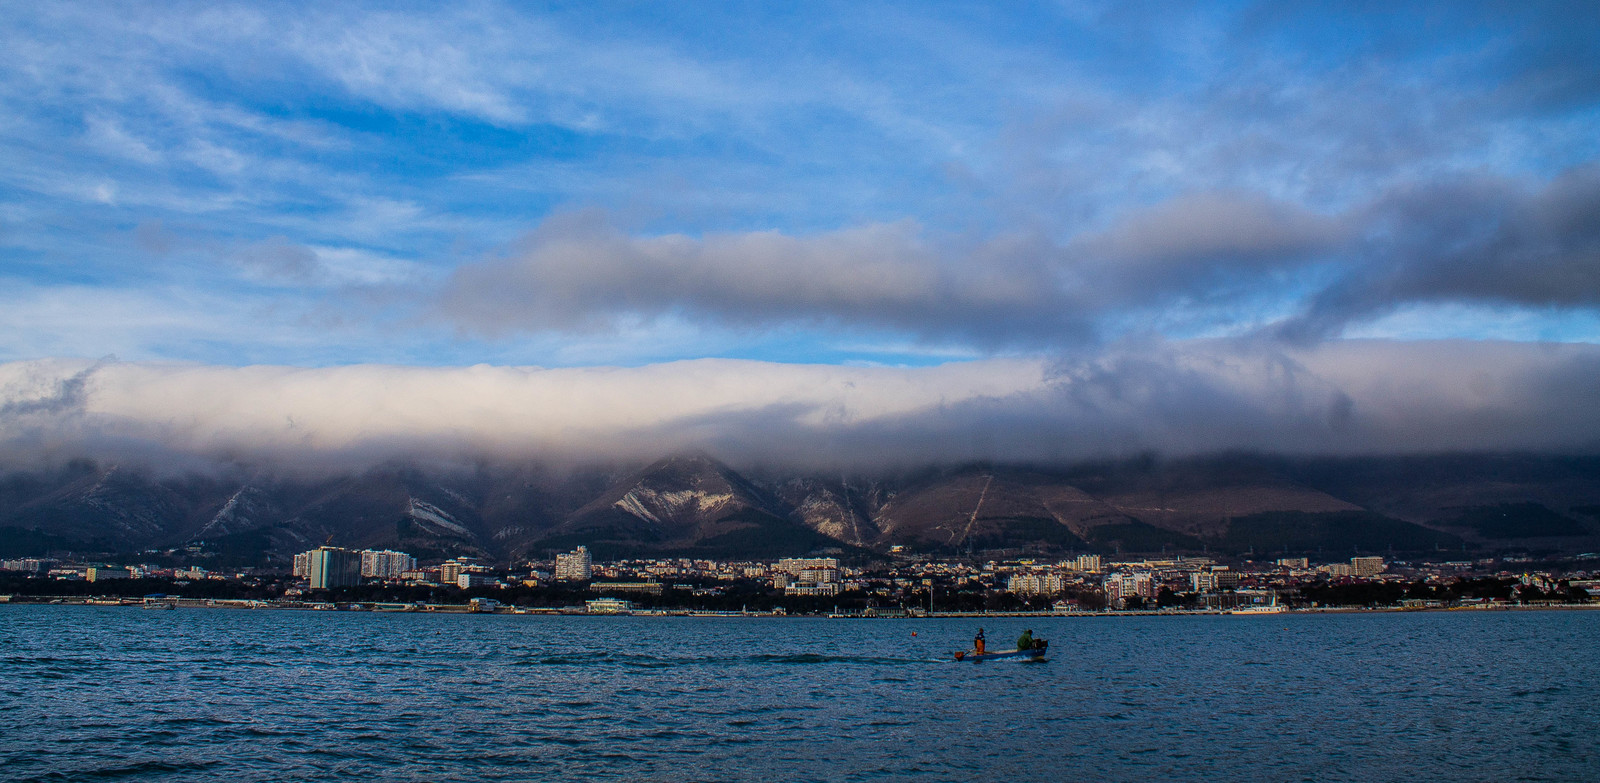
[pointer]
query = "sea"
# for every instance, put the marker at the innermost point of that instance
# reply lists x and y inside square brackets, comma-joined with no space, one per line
[115,693]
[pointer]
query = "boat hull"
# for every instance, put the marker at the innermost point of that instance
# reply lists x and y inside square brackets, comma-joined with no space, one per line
[1036,653]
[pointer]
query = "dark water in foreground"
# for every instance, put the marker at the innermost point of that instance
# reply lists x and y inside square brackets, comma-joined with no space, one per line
[108,693]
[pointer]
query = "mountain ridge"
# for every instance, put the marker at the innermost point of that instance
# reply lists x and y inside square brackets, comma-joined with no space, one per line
[694,505]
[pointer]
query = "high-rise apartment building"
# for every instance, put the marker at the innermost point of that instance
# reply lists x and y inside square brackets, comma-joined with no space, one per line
[575,566]
[332,567]
[386,564]
[1088,564]
[1366,566]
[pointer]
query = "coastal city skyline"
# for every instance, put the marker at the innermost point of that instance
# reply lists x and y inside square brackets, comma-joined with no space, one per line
[335,577]
[1117,390]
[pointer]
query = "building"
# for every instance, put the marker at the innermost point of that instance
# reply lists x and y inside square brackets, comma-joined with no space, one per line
[30,565]
[302,565]
[468,579]
[1213,579]
[1120,587]
[386,564]
[608,606]
[575,566]
[1294,562]
[818,575]
[795,565]
[104,573]
[812,588]
[332,566]
[651,588]
[450,571]
[1367,566]
[1088,564]
[1035,584]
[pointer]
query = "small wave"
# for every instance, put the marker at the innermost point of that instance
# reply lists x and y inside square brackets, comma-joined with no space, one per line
[127,770]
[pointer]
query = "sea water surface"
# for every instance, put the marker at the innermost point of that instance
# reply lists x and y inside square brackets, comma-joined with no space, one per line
[112,693]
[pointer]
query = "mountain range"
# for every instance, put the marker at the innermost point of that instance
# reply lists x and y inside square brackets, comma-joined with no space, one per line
[694,505]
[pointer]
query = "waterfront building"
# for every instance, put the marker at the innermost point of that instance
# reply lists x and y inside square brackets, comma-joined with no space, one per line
[332,567]
[386,564]
[608,606]
[651,588]
[812,588]
[575,566]
[104,573]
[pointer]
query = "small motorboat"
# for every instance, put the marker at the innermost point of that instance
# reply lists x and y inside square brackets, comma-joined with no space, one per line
[1036,652]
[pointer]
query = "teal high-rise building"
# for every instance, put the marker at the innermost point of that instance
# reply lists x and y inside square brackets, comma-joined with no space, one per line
[334,567]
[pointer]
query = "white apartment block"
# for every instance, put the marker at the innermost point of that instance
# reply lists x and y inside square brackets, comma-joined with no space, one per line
[576,566]
[795,565]
[386,564]
[1120,586]
[1035,584]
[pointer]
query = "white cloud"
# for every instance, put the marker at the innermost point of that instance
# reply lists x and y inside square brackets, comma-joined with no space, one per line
[1180,398]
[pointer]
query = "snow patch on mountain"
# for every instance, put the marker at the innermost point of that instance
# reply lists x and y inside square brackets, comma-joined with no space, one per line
[652,505]
[429,514]
[632,504]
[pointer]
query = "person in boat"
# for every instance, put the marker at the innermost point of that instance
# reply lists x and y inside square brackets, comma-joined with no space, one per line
[977,642]
[1025,641]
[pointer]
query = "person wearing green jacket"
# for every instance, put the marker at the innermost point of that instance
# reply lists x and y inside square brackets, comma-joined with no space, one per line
[1025,641]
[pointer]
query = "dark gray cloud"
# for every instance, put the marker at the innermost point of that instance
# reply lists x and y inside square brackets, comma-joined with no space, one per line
[578,272]
[1475,240]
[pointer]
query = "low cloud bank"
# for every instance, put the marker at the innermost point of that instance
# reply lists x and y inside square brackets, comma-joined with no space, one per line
[1344,397]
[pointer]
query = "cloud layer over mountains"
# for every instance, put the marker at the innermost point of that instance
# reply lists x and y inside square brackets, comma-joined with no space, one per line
[1179,398]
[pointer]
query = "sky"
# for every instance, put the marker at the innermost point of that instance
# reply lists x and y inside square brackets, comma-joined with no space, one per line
[862,231]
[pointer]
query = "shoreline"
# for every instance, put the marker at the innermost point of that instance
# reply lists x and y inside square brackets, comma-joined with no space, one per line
[578,611]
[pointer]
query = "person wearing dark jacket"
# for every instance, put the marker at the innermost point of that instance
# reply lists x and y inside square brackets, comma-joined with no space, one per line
[1025,641]
[977,642]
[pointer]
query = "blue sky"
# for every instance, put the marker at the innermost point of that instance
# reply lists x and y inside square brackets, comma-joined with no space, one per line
[912,230]
[300,185]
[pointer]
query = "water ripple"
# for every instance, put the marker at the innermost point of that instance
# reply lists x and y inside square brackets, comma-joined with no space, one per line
[113,694]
